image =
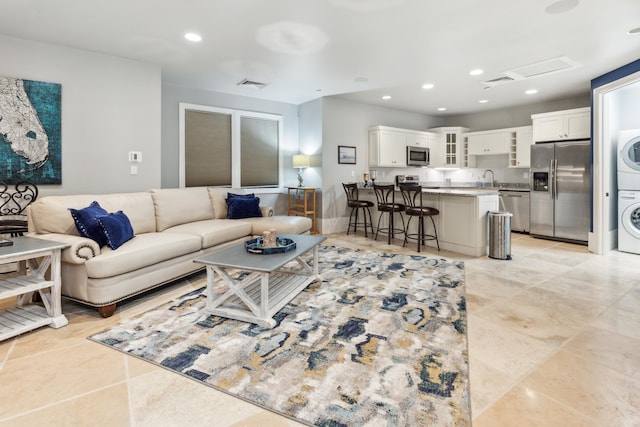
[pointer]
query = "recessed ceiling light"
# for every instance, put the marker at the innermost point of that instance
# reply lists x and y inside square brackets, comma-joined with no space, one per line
[385,97]
[442,109]
[193,37]
[476,72]
[634,32]
[531,91]
[427,86]
[483,101]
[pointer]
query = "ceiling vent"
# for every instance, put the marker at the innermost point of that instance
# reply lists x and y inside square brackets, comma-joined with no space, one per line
[549,66]
[252,83]
[497,81]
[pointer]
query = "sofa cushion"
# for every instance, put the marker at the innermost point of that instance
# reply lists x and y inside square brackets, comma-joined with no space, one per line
[86,220]
[146,249]
[218,196]
[282,224]
[50,214]
[176,206]
[214,231]
[116,228]
[243,206]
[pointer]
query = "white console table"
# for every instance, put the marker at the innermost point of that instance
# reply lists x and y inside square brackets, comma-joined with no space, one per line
[38,256]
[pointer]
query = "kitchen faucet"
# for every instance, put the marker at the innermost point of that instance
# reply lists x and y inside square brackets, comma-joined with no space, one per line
[493,177]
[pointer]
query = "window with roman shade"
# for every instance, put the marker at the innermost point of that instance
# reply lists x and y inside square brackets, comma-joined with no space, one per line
[225,147]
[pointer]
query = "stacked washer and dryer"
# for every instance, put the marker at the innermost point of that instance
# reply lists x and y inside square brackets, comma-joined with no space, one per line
[629,191]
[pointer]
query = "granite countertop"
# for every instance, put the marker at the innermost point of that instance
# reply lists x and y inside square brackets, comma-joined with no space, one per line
[469,192]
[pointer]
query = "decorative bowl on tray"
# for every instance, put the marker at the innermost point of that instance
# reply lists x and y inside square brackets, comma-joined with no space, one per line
[256,246]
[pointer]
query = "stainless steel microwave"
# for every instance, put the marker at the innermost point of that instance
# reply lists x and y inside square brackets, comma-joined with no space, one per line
[417,156]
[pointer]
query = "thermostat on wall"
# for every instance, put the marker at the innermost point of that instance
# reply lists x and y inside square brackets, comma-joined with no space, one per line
[135,157]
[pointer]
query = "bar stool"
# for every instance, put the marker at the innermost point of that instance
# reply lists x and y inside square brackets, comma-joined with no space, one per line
[412,195]
[356,204]
[13,205]
[386,196]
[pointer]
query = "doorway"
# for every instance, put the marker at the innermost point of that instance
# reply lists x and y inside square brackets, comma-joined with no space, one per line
[615,106]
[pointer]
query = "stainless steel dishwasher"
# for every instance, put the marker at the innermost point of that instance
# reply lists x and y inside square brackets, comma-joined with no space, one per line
[516,202]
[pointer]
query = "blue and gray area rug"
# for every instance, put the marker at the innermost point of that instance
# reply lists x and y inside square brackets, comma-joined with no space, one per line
[380,341]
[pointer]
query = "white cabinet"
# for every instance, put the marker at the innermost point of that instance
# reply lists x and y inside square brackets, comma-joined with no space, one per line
[520,153]
[436,159]
[488,143]
[451,147]
[387,147]
[562,125]
[416,139]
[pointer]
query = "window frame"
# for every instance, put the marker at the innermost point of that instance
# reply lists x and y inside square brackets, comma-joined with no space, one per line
[236,160]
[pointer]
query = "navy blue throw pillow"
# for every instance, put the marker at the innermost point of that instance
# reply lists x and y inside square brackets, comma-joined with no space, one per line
[240,196]
[87,224]
[116,228]
[243,207]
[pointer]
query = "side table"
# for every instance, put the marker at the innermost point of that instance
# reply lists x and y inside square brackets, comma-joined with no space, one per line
[301,201]
[39,255]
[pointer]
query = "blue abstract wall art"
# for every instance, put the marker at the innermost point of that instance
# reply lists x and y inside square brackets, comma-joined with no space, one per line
[30,131]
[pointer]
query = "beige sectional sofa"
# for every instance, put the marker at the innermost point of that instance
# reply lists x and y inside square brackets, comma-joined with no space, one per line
[172,227]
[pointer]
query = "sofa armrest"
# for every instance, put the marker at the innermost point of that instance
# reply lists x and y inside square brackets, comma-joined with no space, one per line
[80,251]
[266,210]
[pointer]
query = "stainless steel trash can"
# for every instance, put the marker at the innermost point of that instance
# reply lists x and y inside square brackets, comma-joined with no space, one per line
[499,228]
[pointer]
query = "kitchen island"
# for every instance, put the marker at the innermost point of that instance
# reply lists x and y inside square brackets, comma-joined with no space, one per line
[462,223]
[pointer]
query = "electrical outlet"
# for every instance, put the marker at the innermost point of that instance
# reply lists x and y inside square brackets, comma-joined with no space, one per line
[133,170]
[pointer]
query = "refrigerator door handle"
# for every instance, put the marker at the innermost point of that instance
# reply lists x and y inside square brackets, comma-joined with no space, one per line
[555,179]
[552,180]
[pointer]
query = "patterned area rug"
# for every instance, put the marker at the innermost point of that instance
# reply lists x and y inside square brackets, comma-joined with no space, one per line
[380,341]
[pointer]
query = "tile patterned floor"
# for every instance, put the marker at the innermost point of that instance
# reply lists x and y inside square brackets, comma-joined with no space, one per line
[554,339]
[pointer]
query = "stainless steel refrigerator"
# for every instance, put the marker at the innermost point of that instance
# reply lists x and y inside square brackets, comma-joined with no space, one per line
[560,206]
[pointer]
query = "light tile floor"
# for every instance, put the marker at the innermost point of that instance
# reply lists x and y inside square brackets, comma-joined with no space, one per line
[554,340]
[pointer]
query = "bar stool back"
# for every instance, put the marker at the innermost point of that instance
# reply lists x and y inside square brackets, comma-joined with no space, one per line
[13,205]
[412,195]
[356,204]
[386,197]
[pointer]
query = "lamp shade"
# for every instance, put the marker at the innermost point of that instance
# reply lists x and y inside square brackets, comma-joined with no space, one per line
[301,161]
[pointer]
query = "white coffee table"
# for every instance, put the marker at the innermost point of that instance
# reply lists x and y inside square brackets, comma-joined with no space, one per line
[267,287]
[39,255]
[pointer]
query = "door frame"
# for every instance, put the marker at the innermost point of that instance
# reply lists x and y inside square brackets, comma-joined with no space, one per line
[604,204]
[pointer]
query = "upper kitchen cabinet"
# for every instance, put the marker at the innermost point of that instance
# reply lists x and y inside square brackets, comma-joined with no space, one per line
[520,149]
[417,139]
[562,125]
[436,158]
[488,142]
[451,147]
[387,147]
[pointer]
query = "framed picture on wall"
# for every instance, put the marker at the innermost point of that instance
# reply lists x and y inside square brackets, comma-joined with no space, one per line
[30,131]
[346,155]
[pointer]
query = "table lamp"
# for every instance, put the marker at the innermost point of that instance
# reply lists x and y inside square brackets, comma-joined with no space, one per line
[301,161]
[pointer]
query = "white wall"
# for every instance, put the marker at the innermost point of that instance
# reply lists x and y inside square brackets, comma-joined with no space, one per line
[310,113]
[110,106]
[630,106]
